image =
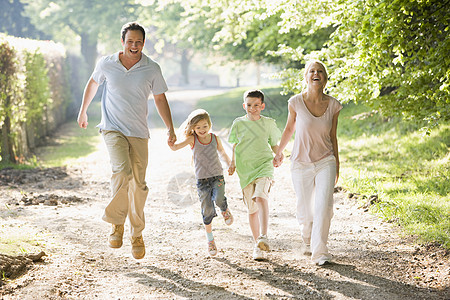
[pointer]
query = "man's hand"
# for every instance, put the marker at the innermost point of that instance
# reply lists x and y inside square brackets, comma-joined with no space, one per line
[82,120]
[172,137]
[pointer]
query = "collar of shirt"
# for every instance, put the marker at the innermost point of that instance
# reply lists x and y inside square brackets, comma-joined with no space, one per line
[142,62]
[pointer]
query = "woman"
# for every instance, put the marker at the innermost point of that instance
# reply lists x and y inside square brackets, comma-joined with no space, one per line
[313,115]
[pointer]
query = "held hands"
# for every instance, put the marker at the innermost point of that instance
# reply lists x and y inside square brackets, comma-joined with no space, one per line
[278,160]
[171,139]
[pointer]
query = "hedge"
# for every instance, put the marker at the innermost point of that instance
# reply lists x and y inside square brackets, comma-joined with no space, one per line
[34,93]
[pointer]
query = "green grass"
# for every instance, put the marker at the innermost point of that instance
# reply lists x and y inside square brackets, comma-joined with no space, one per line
[20,238]
[406,168]
[410,171]
[68,148]
[74,142]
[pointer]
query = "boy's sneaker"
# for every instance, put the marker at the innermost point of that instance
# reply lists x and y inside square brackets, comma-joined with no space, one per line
[263,243]
[137,247]
[228,217]
[212,249]
[258,254]
[116,236]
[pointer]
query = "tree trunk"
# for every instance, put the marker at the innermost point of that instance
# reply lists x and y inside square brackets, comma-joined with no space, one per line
[7,145]
[89,50]
[185,61]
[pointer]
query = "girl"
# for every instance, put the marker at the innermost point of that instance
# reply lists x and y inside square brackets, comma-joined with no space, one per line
[208,169]
[313,115]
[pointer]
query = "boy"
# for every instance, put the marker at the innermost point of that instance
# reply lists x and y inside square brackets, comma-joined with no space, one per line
[254,137]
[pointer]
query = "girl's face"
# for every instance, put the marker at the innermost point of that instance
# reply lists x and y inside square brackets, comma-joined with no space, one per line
[202,128]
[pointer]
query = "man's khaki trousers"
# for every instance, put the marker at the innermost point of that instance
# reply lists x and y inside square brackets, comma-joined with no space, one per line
[129,159]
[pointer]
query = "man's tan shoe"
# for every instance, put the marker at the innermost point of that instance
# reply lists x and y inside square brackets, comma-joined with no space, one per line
[116,236]
[137,247]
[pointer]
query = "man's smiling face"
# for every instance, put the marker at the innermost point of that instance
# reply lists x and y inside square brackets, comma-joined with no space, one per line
[133,44]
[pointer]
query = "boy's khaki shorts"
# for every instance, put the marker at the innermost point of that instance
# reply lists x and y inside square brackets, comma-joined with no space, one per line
[260,187]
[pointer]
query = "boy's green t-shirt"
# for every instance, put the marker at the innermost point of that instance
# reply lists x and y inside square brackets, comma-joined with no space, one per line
[253,150]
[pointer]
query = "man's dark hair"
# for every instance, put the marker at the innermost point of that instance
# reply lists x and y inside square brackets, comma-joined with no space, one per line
[254,94]
[132,26]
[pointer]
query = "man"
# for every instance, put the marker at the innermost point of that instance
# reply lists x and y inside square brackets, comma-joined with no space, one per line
[129,77]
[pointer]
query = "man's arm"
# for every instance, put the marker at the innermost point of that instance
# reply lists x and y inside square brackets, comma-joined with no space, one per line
[89,92]
[162,106]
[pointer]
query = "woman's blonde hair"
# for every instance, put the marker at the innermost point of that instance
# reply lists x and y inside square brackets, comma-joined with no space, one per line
[308,66]
[192,120]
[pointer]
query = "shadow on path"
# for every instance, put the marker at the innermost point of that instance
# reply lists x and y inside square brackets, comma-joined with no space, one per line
[175,283]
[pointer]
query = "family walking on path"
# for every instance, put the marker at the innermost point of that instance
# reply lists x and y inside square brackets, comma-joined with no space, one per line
[357,256]
[129,76]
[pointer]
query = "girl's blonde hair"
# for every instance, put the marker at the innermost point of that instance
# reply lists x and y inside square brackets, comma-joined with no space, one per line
[308,66]
[192,120]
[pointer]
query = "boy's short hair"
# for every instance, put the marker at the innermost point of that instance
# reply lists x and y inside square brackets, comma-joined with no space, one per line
[254,94]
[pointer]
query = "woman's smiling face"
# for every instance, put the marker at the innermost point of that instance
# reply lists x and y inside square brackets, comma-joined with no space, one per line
[316,74]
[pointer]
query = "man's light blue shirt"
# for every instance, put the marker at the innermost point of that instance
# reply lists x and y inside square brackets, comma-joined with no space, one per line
[126,92]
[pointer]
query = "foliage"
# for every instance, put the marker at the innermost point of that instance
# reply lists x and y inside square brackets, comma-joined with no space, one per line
[37,93]
[387,54]
[242,30]
[8,89]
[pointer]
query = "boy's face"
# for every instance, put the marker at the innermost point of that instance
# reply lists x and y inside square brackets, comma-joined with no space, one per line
[253,107]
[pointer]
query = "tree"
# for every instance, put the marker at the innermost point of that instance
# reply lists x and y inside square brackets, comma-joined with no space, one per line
[388,54]
[391,55]
[12,22]
[8,89]
[164,21]
[86,20]
[246,31]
